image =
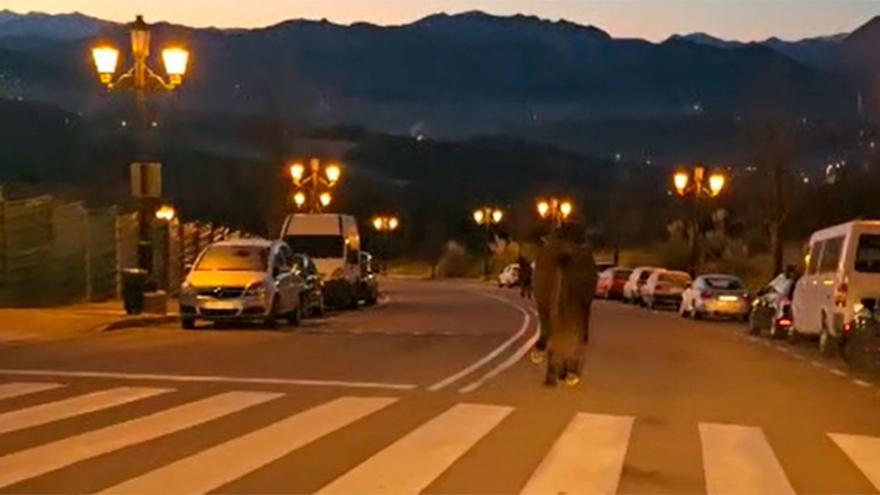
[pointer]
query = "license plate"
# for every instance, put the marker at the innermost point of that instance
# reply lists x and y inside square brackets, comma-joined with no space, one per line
[219,305]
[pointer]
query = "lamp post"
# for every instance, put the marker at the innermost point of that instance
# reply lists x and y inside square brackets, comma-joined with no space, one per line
[555,210]
[312,186]
[140,78]
[385,225]
[486,217]
[692,184]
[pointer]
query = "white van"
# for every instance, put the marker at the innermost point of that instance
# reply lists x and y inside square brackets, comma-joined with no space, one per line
[842,270]
[333,242]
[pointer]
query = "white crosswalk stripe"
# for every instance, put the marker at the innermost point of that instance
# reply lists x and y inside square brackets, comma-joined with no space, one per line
[75,406]
[413,462]
[586,459]
[229,461]
[15,389]
[864,452]
[39,460]
[737,459]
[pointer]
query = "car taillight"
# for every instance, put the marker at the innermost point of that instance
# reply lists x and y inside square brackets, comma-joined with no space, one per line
[840,294]
[706,294]
[784,322]
[847,329]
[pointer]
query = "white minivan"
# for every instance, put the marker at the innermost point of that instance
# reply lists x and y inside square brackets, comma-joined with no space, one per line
[842,270]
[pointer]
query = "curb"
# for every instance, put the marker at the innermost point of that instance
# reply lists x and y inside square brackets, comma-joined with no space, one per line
[138,322]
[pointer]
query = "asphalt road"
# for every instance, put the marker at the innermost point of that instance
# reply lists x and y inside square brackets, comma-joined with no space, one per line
[427,393]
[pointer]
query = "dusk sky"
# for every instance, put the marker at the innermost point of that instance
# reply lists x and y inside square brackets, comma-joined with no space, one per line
[651,19]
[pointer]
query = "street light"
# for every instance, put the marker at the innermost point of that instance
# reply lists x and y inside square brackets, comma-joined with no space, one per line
[140,78]
[693,184]
[554,209]
[166,213]
[486,217]
[312,185]
[385,225]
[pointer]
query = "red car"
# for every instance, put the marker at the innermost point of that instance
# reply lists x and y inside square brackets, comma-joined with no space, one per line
[610,284]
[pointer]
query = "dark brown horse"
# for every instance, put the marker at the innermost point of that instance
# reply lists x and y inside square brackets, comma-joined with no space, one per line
[564,283]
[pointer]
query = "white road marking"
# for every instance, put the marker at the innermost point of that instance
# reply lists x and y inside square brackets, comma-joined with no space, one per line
[210,469]
[15,389]
[837,372]
[738,459]
[798,356]
[862,383]
[510,361]
[74,406]
[26,464]
[817,364]
[206,378]
[586,459]
[527,319]
[411,463]
[863,451]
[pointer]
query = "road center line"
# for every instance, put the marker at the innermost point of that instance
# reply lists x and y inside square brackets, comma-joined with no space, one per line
[527,319]
[208,378]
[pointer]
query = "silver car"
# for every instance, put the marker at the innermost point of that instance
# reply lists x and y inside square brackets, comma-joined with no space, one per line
[245,279]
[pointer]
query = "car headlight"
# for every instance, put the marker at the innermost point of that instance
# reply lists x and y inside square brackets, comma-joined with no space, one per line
[186,289]
[257,289]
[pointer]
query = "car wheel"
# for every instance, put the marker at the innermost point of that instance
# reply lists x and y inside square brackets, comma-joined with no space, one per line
[829,345]
[295,316]
[271,319]
[188,323]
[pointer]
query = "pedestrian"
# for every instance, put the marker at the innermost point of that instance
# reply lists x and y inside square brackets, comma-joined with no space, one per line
[564,282]
[525,278]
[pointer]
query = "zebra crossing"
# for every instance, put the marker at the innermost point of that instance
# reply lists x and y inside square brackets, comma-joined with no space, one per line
[587,456]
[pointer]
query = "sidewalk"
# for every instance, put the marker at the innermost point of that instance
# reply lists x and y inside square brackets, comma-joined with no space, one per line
[33,324]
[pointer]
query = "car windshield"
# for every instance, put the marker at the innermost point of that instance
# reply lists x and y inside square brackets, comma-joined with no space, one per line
[234,258]
[723,283]
[868,254]
[645,275]
[317,246]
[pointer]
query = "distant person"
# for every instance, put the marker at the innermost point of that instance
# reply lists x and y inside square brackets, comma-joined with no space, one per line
[564,281]
[525,278]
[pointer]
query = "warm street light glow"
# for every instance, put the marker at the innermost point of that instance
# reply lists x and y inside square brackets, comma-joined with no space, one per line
[716,183]
[681,179]
[479,216]
[166,213]
[333,172]
[565,208]
[497,215]
[378,223]
[325,198]
[543,209]
[393,223]
[175,60]
[299,198]
[385,224]
[106,58]
[296,171]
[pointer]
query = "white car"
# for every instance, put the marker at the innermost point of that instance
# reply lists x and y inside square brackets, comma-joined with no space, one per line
[716,295]
[843,269]
[509,277]
[246,279]
[664,288]
[632,287]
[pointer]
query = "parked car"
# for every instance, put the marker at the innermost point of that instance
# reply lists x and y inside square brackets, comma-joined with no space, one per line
[245,279]
[862,347]
[312,295]
[664,288]
[368,287]
[771,309]
[633,286]
[509,276]
[611,282]
[843,268]
[716,295]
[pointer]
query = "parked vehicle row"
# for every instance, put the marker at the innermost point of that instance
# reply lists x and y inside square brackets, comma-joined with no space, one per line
[316,264]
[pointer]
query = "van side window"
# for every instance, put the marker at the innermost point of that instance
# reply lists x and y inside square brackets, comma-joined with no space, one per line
[831,255]
[868,254]
[815,254]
